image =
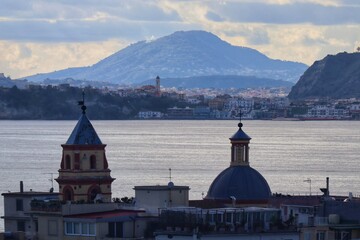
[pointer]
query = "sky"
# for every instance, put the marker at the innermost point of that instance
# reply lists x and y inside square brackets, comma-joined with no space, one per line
[38,36]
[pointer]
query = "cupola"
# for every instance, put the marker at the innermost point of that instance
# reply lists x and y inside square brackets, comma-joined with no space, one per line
[239,181]
[240,148]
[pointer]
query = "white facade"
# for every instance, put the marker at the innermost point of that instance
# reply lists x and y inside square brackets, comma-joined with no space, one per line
[150,115]
[321,111]
[16,208]
[152,198]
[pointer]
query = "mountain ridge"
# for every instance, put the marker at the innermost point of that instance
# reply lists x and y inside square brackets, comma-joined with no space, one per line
[181,54]
[335,76]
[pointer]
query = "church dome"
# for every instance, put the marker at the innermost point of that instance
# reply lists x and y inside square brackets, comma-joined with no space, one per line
[241,182]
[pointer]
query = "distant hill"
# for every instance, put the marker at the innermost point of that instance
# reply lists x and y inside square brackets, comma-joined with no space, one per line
[335,76]
[53,103]
[221,82]
[179,55]
[8,82]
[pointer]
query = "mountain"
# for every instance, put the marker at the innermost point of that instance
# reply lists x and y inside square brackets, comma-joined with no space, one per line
[181,54]
[7,82]
[220,82]
[335,76]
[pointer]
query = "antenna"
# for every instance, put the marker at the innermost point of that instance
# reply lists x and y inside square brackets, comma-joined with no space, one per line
[308,180]
[170,184]
[51,179]
[170,174]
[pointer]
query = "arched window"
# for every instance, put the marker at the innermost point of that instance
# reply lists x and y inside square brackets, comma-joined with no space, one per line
[93,192]
[68,194]
[67,162]
[92,162]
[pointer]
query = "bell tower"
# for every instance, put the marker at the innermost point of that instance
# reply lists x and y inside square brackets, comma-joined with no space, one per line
[84,174]
[240,148]
[157,88]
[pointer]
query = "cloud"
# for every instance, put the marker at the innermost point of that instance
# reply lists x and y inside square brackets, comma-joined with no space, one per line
[309,41]
[290,13]
[214,17]
[42,36]
[86,21]
[23,59]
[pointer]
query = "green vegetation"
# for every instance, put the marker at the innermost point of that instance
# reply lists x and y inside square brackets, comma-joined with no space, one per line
[334,77]
[55,103]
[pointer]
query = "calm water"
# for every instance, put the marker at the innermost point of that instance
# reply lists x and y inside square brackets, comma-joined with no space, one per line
[141,152]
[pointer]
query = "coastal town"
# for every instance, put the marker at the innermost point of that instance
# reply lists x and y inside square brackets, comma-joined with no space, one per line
[181,120]
[210,103]
[238,205]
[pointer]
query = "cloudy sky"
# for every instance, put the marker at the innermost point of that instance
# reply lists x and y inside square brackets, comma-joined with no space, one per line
[45,35]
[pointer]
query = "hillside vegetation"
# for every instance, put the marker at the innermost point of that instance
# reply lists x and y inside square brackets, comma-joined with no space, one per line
[335,76]
[52,103]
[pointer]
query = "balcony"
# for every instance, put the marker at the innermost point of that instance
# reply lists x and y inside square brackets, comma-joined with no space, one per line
[45,205]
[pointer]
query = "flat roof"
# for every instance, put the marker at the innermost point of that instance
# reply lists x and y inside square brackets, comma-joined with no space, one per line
[106,215]
[30,194]
[345,227]
[161,187]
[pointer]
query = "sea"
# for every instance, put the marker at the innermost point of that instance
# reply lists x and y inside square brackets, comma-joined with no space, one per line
[295,157]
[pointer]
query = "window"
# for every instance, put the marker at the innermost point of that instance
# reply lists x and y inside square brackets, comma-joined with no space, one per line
[19,205]
[84,228]
[228,217]
[88,229]
[69,228]
[92,162]
[21,226]
[77,228]
[115,229]
[67,194]
[93,192]
[77,161]
[320,236]
[219,217]
[67,162]
[91,229]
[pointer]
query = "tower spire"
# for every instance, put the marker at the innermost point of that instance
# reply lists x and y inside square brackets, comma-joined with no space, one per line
[240,114]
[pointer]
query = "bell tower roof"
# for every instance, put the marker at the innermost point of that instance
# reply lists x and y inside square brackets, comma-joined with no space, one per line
[240,135]
[83,133]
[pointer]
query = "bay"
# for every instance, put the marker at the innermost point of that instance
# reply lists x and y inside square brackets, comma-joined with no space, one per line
[141,152]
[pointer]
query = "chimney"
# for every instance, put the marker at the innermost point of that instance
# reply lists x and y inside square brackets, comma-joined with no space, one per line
[21,186]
